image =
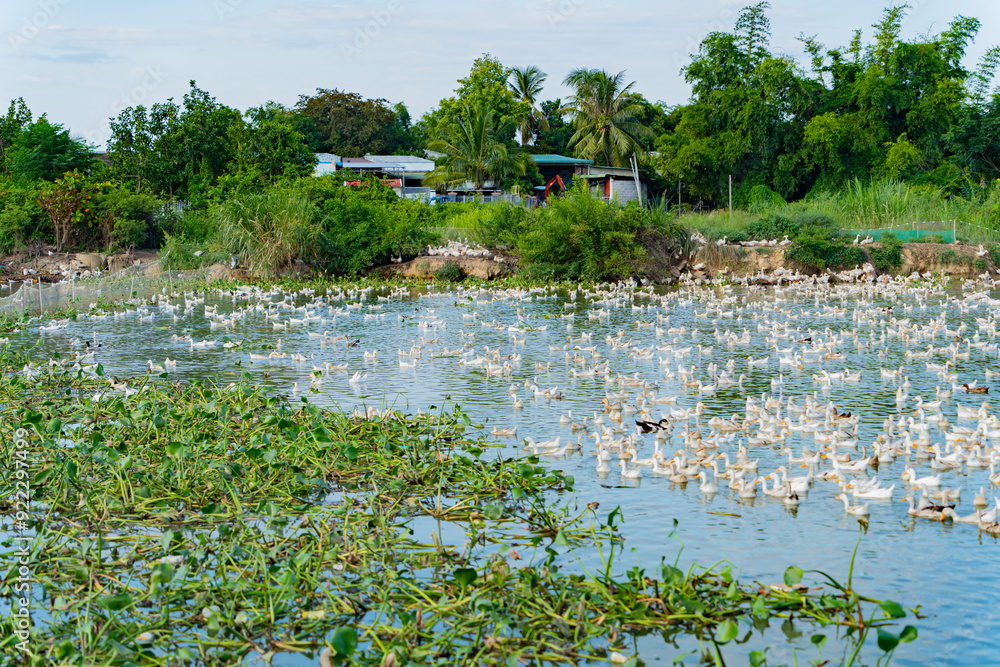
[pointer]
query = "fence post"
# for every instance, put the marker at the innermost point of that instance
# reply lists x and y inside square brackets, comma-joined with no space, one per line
[954,231]
[41,299]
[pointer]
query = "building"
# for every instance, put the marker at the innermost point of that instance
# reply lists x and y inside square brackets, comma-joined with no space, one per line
[406,174]
[411,169]
[616,184]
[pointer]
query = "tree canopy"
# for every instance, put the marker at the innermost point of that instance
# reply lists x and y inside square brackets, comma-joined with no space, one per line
[347,124]
[889,108]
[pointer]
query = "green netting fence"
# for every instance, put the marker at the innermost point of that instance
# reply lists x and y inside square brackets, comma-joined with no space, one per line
[35,298]
[912,235]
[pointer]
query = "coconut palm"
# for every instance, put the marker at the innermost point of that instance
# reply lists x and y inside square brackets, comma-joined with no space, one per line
[604,117]
[526,84]
[472,151]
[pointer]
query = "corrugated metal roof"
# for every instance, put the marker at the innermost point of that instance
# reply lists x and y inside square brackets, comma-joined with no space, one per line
[407,163]
[551,158]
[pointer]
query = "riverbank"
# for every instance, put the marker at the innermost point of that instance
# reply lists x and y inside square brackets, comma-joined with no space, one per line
[41,262]
[954,260]
[711,261]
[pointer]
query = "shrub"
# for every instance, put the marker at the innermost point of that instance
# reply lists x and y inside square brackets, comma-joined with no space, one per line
[760,199]
[814,219]
[771,227]
[269,230]
[193,225]
[580,237]
[128,217]
[731,234]
[358,233]
[819,248]
[887,255]
[449,273]
[178,255]
[502,225]
[21,218]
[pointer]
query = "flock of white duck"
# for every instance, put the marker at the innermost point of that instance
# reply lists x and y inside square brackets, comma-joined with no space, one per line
[646,355]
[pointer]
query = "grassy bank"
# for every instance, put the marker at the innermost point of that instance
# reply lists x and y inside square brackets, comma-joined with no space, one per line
[866,206]
[176,523]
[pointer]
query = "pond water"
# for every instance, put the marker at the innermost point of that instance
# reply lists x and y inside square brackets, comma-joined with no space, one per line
[557,338]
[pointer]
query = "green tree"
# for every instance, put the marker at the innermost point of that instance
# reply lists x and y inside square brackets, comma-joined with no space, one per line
[267,148]
[604,117]
[45,151]
[349,125]
[135,143]
[526,84]
[66,203]
[555,139]
[486,86]
[473,150]
[18,116]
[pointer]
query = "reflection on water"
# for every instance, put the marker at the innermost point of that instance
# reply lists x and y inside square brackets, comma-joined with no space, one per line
[913,561]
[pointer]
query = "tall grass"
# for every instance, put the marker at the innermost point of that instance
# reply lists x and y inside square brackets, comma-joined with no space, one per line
[878,205]
[268,230]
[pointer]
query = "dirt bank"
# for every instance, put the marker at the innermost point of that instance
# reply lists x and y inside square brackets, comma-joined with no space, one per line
[960,261]
[43,263]
[427,267]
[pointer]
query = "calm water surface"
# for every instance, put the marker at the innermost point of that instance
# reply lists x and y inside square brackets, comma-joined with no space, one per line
[949,571]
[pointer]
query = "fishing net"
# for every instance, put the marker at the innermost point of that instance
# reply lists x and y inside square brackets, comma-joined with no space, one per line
[135,282]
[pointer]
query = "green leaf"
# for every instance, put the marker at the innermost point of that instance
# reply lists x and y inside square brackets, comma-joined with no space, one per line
[908,634]
[886,640]
[818,640]
[464,576]
[727,631]
[892,609]
[166,539]
[793,575]
[560,540]
[186,655]
[115,602]
[344,641]
[163,573]
[757,658]
[214,626]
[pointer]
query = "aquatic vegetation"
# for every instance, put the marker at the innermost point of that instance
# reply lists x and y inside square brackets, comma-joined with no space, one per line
[188,522]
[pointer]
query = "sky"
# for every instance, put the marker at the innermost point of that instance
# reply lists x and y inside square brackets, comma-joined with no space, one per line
[83,61]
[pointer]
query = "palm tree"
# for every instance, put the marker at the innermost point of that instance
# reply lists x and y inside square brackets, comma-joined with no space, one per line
[526,84]
[472,151]
[604,116]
